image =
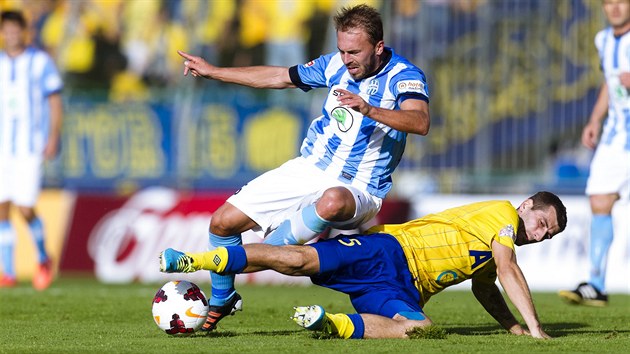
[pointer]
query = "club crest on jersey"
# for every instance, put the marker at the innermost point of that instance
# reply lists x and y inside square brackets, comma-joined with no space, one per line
[447,277]
[343,117]
[372,87]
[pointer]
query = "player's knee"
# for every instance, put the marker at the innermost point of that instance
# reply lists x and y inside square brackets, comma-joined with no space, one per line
[219,226]
[228,221]
[336,204]
[603,204]
[302,260]
[27,213]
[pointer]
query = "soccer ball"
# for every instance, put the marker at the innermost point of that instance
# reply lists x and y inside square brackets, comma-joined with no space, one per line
[179,307]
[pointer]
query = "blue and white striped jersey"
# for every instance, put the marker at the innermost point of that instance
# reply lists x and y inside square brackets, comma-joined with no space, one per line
[26,81]
[614,56]
[342,142]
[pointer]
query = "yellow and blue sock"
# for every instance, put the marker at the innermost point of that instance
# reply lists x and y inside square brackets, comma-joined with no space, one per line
[601,239]
[223,260]
[222,284]
[347,325]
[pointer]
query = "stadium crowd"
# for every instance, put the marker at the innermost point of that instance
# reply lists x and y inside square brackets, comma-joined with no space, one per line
[126,48]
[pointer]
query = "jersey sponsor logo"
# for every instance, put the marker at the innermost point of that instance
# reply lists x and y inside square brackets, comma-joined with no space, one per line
[310,63]
[372,87]
[411,86]
[343,117]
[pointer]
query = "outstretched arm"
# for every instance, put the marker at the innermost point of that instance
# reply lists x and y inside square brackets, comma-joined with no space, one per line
[276,77]
[515,285]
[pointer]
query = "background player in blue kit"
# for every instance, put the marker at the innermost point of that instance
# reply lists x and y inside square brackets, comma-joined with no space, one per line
[375,98]
[30,124]
[609,178]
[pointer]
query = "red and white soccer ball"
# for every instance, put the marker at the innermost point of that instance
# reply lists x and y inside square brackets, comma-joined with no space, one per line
[179,307]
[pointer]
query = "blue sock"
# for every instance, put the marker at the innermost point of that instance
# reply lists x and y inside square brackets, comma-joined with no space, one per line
[601,239]
[282,235]
[300,228]
[7,242]
[359,326]
[222,285]
[37,232]
[237,259]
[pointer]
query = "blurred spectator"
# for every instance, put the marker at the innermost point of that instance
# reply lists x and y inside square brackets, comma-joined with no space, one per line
[286,40]
[319,26]
[153,32]
[252,27]
[287,33]
[214,28]
[84,36]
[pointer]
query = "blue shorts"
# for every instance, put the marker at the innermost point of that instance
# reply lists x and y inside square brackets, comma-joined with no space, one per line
[372,270]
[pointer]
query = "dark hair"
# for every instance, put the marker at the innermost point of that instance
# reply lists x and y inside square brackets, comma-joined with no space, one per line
[15,16]
[543,200]
[361,16]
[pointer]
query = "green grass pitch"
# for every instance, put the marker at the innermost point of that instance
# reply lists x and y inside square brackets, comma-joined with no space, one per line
[80,315]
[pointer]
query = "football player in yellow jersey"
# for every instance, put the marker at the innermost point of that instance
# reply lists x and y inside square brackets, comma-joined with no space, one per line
[393,270]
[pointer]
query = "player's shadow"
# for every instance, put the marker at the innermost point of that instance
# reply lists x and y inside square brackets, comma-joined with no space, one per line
[474,330]
[559,329]
[215,334]
[276,333]
[227,334]
[564,329]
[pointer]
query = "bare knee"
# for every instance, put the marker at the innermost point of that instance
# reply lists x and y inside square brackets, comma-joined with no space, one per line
[27,213]
[336,204]
[229,220]
[4,211]
[603,203]
[289,260]
[300,260]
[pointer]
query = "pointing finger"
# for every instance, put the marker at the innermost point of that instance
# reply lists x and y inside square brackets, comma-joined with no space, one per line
[184,55]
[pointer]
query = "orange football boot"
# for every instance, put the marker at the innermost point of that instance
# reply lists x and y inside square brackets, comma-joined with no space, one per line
[44,276]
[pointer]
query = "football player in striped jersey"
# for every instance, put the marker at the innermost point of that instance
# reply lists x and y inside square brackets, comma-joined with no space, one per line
[375,98]
[30,123]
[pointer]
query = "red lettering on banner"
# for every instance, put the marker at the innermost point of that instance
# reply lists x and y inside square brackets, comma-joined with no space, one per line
[119,238]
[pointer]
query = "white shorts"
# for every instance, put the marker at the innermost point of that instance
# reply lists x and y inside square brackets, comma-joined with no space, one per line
[20,180]
[276,195]
[609,172]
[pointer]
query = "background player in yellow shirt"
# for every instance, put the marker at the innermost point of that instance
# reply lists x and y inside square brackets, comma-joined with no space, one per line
[393,270]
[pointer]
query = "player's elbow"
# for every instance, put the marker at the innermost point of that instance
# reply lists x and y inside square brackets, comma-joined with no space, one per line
[423,125]
[423,129]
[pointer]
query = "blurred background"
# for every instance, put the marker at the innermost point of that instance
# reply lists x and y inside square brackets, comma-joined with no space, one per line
[148,154]
[512,83]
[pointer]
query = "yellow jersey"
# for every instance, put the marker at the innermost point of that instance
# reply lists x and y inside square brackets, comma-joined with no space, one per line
[449,247]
